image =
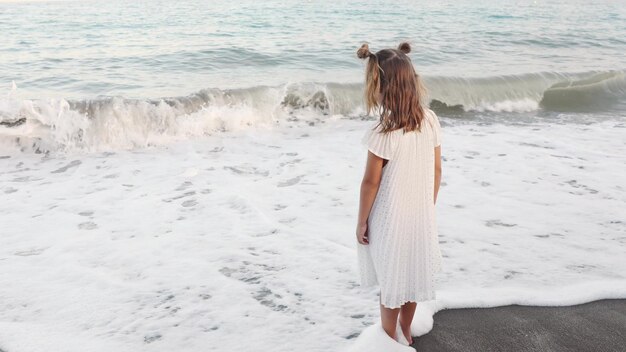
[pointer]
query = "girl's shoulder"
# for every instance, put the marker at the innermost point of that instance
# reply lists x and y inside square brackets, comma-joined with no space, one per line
[435,126]
[382,144]
[430,115]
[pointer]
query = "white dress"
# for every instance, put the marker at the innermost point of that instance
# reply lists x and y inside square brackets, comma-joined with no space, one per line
[403,251]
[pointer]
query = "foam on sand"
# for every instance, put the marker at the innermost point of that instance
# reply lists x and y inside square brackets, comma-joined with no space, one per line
[246,238]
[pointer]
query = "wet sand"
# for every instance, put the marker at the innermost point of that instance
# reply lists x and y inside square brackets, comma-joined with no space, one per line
[595,326]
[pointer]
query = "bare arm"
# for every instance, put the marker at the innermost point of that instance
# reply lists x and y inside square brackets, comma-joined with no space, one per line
[437,171]
[369,189]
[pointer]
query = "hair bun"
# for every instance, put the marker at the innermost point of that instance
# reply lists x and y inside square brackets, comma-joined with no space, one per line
[404,47]
[363,52]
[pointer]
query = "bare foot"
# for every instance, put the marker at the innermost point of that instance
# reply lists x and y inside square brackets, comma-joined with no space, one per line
[406,331]
[400,336]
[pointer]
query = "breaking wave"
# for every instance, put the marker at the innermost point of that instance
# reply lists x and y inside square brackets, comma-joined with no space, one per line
[118,122]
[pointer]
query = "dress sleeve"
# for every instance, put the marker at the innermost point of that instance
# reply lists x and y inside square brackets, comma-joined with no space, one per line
[436,129]
[381,144]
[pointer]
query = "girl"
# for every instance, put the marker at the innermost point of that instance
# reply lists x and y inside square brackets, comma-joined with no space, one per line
[398,247]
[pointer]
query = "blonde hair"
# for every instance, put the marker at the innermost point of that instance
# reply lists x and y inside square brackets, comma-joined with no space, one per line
[391,74]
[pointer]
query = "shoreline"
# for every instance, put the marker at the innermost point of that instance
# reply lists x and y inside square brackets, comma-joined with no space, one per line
[594,326]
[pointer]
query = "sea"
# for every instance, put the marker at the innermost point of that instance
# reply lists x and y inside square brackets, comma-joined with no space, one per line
[184,175]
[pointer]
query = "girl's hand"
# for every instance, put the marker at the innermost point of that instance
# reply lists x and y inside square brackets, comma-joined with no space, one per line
[362,235]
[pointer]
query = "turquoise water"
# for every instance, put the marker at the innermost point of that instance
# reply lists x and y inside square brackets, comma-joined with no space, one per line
[169,48]
[151,61]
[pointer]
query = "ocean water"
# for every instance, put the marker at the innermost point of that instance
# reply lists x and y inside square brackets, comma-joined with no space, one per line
[184,175]
[83,68]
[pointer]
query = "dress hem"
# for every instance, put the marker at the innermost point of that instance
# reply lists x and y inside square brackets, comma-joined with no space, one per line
[407,300]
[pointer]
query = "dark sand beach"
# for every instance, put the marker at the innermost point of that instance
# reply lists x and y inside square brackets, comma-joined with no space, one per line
[595,326]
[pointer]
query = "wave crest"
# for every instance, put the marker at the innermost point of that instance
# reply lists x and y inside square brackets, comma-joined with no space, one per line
[117,122]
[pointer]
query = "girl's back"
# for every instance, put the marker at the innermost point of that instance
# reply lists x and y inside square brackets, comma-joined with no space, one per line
[397,234]
[410,155]
[402,219]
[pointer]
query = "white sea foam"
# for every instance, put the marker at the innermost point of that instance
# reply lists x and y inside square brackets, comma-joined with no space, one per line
[50,125]
[112,123]
[246,237]
[524,105]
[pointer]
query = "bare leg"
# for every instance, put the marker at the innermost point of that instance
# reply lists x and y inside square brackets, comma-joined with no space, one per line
[407,311]
[389,319]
